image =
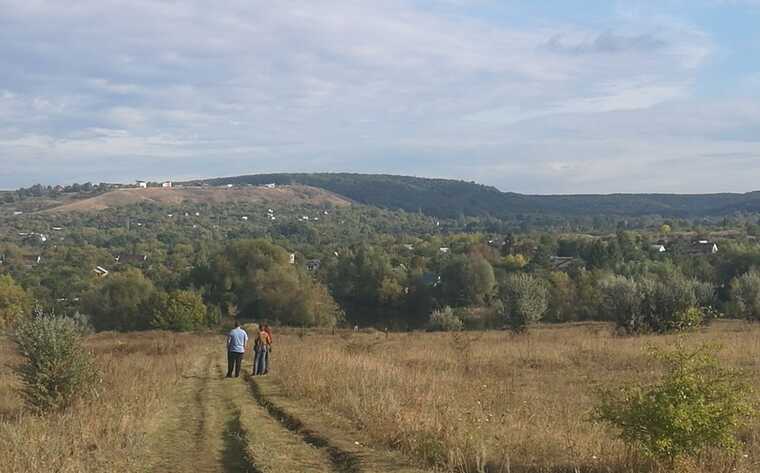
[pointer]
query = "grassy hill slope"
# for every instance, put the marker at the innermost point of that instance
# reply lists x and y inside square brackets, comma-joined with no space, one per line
[296,195]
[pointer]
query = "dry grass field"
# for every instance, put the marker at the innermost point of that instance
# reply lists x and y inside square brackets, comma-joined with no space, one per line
[140,373]
[358,402]
[497,402]
[291,195]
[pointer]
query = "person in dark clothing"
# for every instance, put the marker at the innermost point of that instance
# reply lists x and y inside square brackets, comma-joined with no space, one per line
[237,340]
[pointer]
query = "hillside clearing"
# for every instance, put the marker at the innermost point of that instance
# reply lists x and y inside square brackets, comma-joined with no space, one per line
[281,195]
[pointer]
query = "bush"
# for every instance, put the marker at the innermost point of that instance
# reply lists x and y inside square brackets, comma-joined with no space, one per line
[695,406]
[686,319]
[445,320]
[651,304]
[178,310]
[58,369]
[14,302]
[213,315]
[745,296]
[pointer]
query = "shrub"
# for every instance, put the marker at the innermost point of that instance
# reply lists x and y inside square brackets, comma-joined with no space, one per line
[686,319]
[651,304]
[445,320]
[178,310]
[745,295]
[14,302]
[57,368]
[213,315]
[696,405]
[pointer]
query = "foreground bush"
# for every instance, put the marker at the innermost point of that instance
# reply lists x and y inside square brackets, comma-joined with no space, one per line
[696,405]
[57,369]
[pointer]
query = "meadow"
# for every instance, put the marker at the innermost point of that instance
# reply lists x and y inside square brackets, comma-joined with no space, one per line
[139,373]
[465,402]
[497,402]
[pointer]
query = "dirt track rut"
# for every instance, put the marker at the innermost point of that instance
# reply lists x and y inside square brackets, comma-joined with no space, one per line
[244,425]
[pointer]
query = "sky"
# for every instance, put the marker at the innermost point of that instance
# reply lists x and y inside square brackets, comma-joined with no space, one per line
[538,97]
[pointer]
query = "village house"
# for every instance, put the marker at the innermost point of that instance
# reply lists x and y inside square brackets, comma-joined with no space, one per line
[101,271]
[166,185]
[313,265]
[701,248]
[142,184]
[430,279]
[565,263]
[131,259]
[693,248]
[31,260]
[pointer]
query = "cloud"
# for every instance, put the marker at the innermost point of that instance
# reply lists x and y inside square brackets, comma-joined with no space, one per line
[111,89]
[607,42]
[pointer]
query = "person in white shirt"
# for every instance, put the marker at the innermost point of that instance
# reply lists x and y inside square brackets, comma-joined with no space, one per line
[237,341]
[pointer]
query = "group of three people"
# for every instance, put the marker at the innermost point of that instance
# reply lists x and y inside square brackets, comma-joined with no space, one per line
[237,342]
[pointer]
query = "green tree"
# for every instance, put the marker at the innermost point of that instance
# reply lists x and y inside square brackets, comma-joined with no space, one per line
[621,302]
[121,302]
[525,300]
[256,277]
[15,303]
[367,286]
[468,280]
[562,298]
[745,296]
[178,310]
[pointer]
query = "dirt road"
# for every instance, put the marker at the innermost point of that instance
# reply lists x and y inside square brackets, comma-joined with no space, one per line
[237,425]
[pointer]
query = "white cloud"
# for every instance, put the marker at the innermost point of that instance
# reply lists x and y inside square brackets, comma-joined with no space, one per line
[332,85]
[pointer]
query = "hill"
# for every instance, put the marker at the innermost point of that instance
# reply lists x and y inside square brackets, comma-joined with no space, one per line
[452,198]
[295,195]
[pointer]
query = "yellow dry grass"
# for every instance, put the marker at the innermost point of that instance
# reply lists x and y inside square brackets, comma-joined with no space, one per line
[497,402]
[103,434]
[282,195]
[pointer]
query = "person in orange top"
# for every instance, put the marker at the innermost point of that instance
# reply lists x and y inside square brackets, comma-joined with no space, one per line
[261,346]
[268,330]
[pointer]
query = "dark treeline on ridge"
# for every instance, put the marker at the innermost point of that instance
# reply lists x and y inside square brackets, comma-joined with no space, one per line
[451,198]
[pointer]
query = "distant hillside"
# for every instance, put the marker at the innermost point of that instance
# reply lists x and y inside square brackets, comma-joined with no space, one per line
[451,198]
[284,195]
